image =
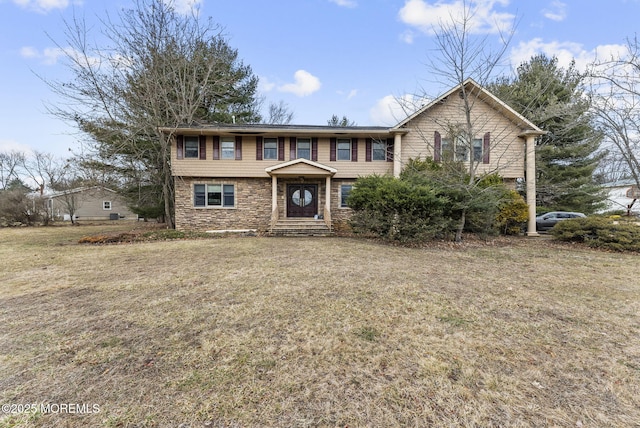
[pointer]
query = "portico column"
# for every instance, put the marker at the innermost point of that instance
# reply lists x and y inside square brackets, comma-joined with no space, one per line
[397,155]
[327,201]
[274,195]
[531,183]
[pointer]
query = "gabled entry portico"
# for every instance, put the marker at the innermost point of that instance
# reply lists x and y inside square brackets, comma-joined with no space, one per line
[302,192]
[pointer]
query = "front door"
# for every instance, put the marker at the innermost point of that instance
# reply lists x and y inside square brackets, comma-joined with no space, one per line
[302,200]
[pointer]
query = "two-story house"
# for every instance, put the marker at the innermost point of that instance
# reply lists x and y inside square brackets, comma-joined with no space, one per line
[231,177]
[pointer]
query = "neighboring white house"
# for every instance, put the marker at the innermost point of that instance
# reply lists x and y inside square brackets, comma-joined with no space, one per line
[89,203]
[620,197]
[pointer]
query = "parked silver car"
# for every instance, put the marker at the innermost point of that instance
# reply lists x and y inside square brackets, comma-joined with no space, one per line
[548,220]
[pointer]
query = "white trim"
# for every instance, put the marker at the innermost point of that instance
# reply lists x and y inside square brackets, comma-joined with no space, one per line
[287,164]
[206,185]
[231,231]
[524,123]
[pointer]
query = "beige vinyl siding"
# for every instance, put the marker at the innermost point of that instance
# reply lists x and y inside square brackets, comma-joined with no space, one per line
[250,167]
[89,205]
[507,154]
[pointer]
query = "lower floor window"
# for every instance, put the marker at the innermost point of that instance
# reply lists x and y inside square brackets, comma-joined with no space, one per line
[214,195]
[345,190]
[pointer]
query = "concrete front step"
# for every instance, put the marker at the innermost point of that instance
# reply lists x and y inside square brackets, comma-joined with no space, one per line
[300,227]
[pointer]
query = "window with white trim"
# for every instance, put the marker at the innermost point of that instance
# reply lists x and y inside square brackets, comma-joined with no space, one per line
[343,147]
[303,147]
[460,150]
[191,147]
[379,150]
[345,191]
[106,205]
[477,149]
[214,195]
[270,148]
[227,148]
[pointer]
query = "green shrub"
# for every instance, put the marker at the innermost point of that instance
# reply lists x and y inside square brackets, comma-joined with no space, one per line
[513,214]
[397,210]
[600,232]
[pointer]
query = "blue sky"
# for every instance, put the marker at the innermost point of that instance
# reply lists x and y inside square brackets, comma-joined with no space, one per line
[321,57]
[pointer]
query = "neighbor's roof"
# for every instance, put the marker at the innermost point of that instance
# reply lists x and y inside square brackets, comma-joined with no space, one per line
[79,190]
[483,95]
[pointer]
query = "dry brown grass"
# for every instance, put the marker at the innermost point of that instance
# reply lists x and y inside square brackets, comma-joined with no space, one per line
[252,332]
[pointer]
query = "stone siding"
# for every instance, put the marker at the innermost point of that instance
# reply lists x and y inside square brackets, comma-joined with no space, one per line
[252,210]
[339,216]
[253,204]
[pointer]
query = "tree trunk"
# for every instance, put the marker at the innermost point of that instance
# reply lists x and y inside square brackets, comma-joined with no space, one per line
[463,219]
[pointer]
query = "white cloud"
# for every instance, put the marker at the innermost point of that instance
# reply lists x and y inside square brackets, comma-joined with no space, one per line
[185,7]
[29,52]
[564,51]
[264,85]
[427,16]
[305,84]
[352,94]
[390,110]
[408,37]
[14,146]
[558,11]
[50,56]
[45,6]
[345,3]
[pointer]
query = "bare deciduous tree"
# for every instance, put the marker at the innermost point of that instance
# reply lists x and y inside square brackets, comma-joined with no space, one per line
[279,114]
[616,103]
[461,55]
[162,69]
[10,164]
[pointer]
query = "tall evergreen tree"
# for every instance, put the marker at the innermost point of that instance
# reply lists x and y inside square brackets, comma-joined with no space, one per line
[554,99]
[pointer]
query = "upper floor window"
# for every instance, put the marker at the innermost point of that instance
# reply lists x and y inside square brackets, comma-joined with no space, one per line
[227,148]
[477,149]
[379,150]
[459,148]
[344,149]
[106,205]
[303,147]
[270,148]
[191,147]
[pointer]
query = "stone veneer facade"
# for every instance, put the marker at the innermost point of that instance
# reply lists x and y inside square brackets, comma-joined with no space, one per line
[253,204]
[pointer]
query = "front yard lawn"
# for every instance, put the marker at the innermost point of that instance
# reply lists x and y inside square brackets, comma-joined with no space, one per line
[337,332]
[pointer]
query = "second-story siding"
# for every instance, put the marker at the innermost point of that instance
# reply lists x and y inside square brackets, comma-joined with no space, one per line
[250,166]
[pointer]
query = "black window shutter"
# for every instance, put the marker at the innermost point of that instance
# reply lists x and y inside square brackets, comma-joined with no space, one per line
[368,149]
[203,147]
[216,147]
[354,150]
[280,148]
[292,148]
[332,149]
[258,148]
[437,146]
[486,147]
[180,146]
[238,147]
[314,149]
